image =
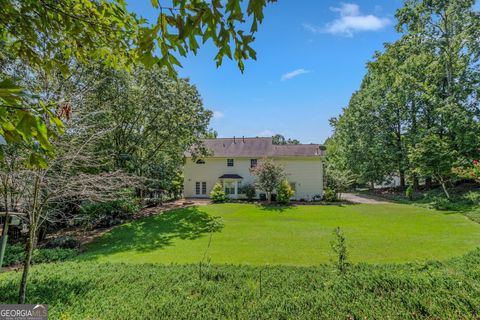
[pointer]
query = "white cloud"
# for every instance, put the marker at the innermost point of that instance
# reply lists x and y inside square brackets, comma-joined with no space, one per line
[293,74]
[266,133]
[218,115]
[351,21]
[347,9]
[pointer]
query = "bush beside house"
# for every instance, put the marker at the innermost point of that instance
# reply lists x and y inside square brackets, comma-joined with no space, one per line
[217,195]
[284,192]
[329,195]
[249,191]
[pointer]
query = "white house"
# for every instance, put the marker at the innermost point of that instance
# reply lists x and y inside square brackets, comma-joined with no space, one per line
[231,159]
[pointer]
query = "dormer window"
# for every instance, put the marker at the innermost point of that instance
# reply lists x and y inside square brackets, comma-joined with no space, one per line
[230,163]
[200,162]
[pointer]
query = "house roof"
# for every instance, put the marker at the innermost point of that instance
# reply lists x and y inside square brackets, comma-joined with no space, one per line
[258,148]
[230,176]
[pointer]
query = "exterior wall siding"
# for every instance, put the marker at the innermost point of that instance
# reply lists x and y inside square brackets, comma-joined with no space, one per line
[306,173]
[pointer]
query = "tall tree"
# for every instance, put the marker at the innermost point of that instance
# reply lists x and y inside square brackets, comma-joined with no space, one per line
[48,34]
[151,119]
[422,88]
[280,139]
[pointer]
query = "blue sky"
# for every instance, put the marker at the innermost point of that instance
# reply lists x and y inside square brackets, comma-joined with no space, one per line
[311,57]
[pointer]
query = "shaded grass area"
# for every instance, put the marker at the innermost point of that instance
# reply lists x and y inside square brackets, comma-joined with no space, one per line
[91,290]
[263,235]
[465,199]
[159,231]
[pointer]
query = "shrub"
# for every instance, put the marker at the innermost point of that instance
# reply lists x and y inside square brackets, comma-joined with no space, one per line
[431,290]
[107,214]
[339,246]
[53,255]
[14,254]
[329,195]
[64,242]
[284,192]
[473,197]
[249,191]
[441,203]
[409,192]
[217,194]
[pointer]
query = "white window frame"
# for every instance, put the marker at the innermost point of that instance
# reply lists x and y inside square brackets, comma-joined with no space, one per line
[200,188]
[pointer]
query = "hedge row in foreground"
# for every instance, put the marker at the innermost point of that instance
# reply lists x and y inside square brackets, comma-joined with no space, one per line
[89,290]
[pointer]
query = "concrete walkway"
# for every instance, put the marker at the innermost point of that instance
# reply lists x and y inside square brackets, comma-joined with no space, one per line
[362,199]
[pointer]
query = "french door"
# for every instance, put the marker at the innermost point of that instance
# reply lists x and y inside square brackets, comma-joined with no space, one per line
[201,188]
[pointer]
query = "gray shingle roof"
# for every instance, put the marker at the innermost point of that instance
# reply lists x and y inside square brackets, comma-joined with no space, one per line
[258,148]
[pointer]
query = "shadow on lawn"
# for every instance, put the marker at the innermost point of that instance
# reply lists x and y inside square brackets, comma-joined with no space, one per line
[282,208]
[274,207]
[155,232]
[53,291]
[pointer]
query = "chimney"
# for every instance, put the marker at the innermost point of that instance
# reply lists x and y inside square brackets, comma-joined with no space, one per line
[243,138]
[234,139]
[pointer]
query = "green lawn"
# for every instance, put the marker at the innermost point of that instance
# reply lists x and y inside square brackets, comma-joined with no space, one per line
[250,234]
[90,290]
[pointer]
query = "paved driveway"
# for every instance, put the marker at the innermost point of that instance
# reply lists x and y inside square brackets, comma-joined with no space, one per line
[360,198]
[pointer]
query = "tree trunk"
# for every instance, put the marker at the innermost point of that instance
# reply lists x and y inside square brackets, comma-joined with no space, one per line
[31,241]
[415,182]
[402,180]
[445,190]
[3,244]
[269,197]
[372,185]
[444,187]
[26,264]
[428,183]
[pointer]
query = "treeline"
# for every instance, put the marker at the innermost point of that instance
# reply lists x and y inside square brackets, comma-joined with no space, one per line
[122,145]
[90,104]
[416,115]
[124,135]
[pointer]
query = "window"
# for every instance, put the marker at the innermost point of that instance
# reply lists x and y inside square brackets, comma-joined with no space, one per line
[197,188]
[229,162]
[200,188]
[200,162]
[253,163]
[229,188]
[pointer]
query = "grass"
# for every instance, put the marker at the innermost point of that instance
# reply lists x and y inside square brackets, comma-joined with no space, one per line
[91,290]
[94,288]
[465,199]
[300,236]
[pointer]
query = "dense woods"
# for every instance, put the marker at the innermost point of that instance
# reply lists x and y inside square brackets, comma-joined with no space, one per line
[91,110]
[416,115]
